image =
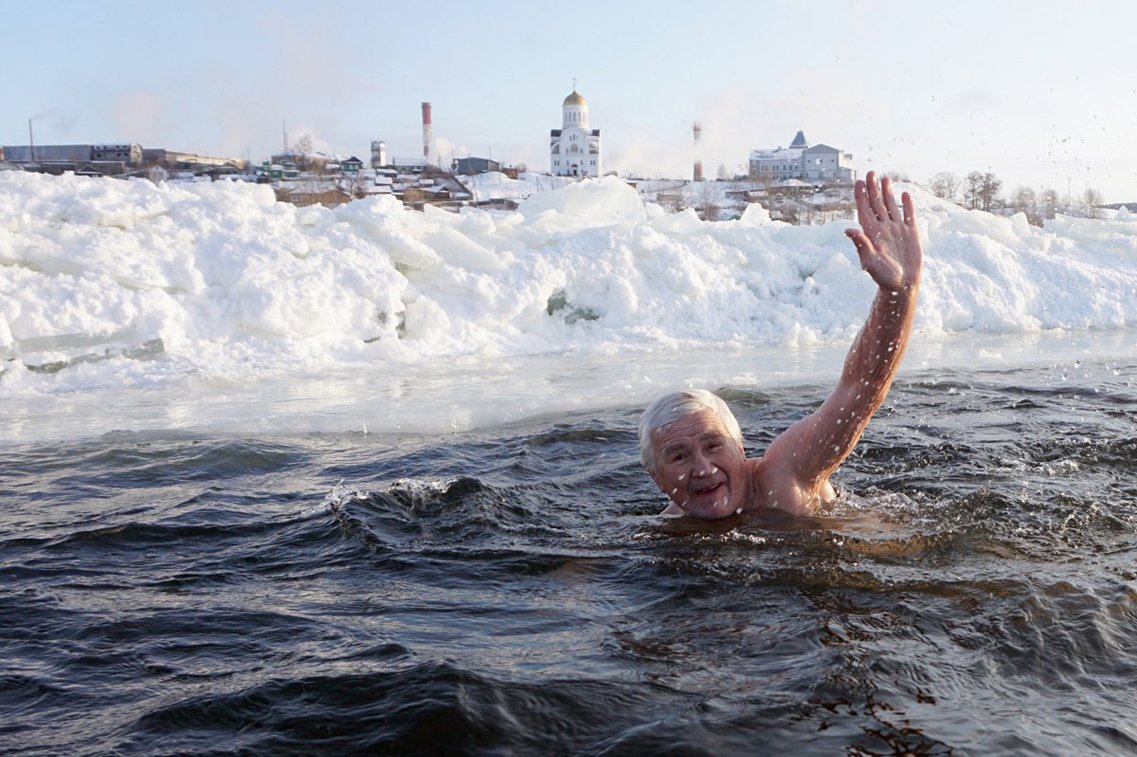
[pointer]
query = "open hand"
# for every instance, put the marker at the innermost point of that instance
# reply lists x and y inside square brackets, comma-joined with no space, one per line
[888,245]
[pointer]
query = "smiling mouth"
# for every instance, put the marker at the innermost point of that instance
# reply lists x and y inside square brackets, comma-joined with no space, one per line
[707,490]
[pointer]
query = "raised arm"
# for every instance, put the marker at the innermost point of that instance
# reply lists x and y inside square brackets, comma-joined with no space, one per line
[799,461]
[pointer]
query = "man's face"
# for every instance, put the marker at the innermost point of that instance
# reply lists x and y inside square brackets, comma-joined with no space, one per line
[699,466]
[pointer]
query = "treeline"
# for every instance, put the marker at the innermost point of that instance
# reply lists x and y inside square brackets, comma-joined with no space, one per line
[981,191]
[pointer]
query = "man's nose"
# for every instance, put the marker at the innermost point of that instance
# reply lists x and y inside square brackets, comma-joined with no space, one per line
[702,465]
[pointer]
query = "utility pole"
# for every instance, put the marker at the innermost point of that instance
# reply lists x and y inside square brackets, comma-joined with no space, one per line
[697,170]
[32,140]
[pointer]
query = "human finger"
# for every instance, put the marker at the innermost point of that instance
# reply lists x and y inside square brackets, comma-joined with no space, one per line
[864,245]
[861,198]
[889,199]
[909,209]
[875,202]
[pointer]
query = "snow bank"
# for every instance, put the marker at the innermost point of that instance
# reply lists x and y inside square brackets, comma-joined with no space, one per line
[221,280]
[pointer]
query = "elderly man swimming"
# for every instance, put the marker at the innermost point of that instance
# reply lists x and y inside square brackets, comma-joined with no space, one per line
[691,444]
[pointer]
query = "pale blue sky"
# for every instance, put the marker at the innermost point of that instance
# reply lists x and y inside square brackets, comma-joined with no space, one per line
[1040,93]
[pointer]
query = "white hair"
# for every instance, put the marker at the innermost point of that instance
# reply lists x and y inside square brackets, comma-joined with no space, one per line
[671,406]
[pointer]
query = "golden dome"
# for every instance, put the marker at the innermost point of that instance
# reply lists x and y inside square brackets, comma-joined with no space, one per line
[575,99]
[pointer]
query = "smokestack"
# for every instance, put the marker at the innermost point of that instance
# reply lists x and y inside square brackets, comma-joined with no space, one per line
[697,131]
[426,135]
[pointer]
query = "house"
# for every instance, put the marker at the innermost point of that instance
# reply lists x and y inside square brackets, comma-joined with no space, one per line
[409,165]
[327,196]
[818,164]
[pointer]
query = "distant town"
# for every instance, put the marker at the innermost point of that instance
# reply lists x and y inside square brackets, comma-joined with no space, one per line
[801,183]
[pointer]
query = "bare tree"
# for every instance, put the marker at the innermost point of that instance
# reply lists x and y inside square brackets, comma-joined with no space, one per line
[1091,201]
[352,185]
[1048,203]
[671,201]
[1025,201]
[972,190]
[945,185]
[707,202]
[991,187]
[981,191]
[302,151]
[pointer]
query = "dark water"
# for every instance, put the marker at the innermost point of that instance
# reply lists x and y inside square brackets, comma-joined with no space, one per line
[511,591]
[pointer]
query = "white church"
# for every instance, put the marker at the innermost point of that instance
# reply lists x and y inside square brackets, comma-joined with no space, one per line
[574,149]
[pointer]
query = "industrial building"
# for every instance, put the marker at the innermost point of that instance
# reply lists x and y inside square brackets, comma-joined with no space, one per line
[472,166]
[112,159]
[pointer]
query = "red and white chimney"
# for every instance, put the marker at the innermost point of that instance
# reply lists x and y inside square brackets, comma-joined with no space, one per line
[426,135]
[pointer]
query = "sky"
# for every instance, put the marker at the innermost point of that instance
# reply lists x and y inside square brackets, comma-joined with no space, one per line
[1042,94]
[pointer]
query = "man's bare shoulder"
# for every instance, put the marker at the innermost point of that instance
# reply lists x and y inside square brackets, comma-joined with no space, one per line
[774,485]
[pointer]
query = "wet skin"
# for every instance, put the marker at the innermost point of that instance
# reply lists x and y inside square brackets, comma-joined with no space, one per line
[701,469]
[704,472]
